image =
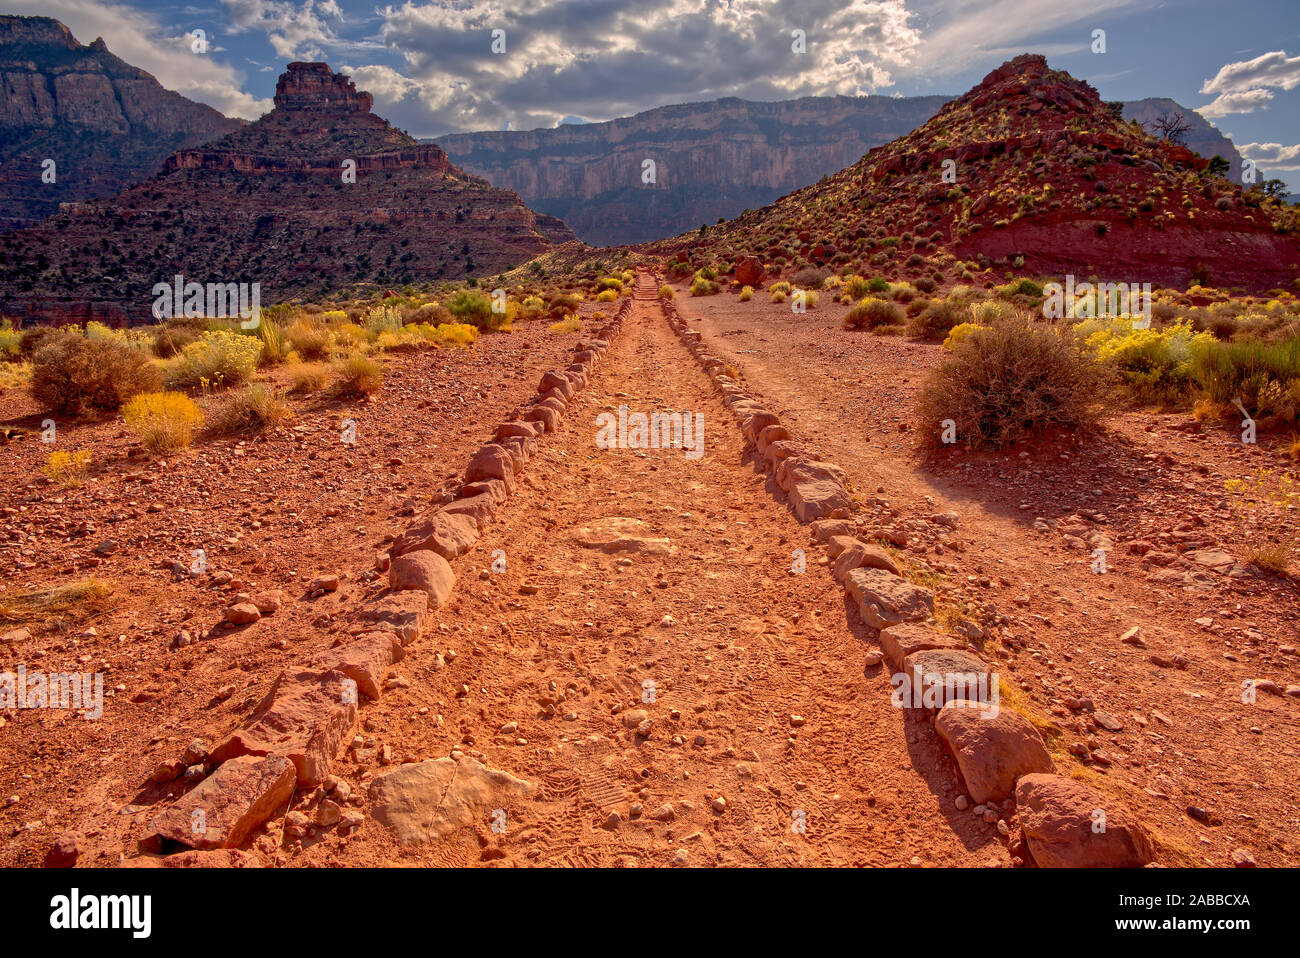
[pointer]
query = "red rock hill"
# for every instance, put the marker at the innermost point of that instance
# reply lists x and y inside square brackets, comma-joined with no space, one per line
[269,203]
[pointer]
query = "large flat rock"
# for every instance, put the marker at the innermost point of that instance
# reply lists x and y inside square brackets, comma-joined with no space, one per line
[305,717]
[622,534]
[428,801]
[993,747]
[885,599]
[223,809]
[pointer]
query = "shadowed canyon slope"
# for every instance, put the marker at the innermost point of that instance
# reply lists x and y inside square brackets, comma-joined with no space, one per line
[106,124]
[273,203]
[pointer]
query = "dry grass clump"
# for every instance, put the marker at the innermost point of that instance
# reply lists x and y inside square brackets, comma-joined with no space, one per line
[163,421]
[254,409]
[357,375]
[308,377]
[69,469]
[70,603]
[871,312]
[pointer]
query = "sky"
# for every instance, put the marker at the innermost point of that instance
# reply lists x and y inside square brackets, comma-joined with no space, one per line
[432,67]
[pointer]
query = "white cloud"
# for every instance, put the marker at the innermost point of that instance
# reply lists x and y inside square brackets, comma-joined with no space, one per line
[603,59]
[386,84]
[143,42]
[1247,101]
[295,31]
[1275,156]
[1273,69]
[1243,86]
[966,33]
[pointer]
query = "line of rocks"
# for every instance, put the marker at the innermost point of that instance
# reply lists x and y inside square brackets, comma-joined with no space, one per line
[309,716]
[1000,754]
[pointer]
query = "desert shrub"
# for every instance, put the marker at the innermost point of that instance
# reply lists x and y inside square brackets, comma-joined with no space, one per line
[1010,381]
[810,277]
[384,319]
[1022,287]
[746,294]
[606,296]
[810,298]
[71,374]
[902,292]
[218,359]
[531,307]
[11,340]
[960,332]
[1156,365]
[877,284]
[857,286]
[562,304]
[357,375]
[609,284]
[925,284]
[1264,377]
[782,287]
[308,339]
[990,312]
[32,339]
[701,286]
[68,468]
[141,340]
[172,337]
[255,408]
[163,421]
[570,324]
[308,377]
[936,320]
[872,312]
[665,291]
[456,334]
[475,309]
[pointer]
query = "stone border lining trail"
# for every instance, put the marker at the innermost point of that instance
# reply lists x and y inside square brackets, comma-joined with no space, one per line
[1001,756]
[309,715]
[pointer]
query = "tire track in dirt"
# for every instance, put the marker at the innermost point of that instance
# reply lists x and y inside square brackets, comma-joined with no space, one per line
[553,653]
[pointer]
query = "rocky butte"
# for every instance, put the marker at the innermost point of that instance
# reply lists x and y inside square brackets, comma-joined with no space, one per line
[106,124]
[318,194]
[1028,171]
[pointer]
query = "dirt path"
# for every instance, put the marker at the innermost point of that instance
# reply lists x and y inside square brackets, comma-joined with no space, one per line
[1186,739]
[559,647]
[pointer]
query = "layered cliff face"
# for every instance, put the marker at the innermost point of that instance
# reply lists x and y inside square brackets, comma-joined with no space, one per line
[711,160]
[1028,169]
[105,124]
[317,194]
